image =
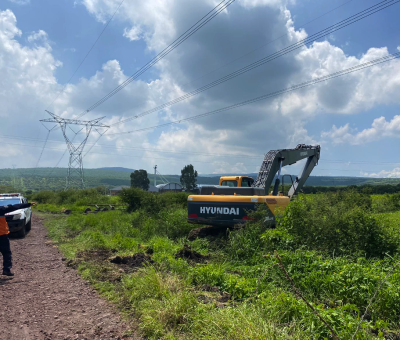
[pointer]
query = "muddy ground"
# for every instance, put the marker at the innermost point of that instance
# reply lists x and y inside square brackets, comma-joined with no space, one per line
[47,300]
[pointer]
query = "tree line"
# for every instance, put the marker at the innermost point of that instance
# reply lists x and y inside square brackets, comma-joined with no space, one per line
[188,178]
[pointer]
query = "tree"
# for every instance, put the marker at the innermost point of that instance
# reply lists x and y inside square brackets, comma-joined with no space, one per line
[189,177]
[139,179]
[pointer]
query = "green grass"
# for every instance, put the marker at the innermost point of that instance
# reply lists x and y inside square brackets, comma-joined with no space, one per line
[168,299]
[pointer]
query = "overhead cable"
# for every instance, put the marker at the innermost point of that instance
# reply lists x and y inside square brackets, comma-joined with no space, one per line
[169,159]
[87,53]
[183,152]
[76,70]
[193,29]
[44,144]
[100,135]
[321,34]
[266,44]
[273,94]
[134,148]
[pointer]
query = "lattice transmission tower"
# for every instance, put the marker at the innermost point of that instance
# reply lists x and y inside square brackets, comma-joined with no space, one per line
[75,177]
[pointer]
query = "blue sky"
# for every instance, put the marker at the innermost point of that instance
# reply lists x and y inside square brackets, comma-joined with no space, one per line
[338,115]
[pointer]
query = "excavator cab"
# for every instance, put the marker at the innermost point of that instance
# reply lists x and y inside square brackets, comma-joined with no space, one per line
[236,181]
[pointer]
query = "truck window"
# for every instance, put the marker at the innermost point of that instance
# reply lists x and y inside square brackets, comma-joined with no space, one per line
[247,182]
[231,184]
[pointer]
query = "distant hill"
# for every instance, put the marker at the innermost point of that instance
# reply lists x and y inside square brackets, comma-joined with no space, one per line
[54,178]
[118,168]
[320,180]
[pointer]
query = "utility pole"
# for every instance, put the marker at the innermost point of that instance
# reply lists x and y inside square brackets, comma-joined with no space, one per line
[155,175]
[75,177]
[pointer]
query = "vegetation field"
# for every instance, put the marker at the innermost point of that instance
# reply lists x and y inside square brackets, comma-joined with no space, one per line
[340,252]
[37,179]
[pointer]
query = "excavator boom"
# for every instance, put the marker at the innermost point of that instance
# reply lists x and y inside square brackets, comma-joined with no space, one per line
[274,160]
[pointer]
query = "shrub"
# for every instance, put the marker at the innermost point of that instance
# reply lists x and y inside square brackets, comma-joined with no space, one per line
[386,203]
[245,243]
[150,202]
[336,223]
[72,196]
[43,197]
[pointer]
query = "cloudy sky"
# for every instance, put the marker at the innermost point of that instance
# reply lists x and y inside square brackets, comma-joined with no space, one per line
[355,118]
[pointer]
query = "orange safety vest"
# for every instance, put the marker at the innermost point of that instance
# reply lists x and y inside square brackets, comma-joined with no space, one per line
[3,226]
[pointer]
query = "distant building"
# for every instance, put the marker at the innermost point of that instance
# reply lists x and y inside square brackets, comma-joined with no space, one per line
[115,191]
[152,188]
[175,187]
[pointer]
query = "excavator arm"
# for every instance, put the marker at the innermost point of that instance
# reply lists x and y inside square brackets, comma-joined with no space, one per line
[274,160]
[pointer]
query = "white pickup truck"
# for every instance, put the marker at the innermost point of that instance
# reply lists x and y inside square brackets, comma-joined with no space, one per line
[19,221]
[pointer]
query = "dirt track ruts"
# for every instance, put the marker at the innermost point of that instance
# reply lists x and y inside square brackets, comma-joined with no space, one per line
[47,300]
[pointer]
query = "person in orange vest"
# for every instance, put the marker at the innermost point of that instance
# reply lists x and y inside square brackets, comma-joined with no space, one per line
[5,248]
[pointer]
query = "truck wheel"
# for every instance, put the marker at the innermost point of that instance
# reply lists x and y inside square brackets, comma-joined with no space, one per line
[28,226]
[22,232]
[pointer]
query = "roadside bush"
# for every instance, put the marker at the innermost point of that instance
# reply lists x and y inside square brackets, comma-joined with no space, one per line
[151,202]
[386,203]
[72,196]
[43,197]
[338,223]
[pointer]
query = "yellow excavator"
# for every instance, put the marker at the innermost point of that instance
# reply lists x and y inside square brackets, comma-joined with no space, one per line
[229,203]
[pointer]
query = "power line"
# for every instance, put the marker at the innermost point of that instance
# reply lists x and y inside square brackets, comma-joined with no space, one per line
[87,53]
[179,159]
[100,135]
[183,152]
[44,144]
[161,55]
[73,74]
[214,161]
[273,94]
[136,148]
[323,33]
[266,44]
[193,29]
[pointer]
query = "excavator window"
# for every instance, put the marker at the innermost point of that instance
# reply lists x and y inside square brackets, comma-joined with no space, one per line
[247,182]
[231,184]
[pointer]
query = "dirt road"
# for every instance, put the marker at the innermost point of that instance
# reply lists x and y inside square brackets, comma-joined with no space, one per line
[47,300]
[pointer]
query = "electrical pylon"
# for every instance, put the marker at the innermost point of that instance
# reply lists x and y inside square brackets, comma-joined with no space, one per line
[75,177]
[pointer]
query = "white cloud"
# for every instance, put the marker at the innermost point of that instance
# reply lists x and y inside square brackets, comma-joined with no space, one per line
[20,2]
[39,35]
[8,28]
[279,122]
[358,91]
[28,86]
[250,130]
[27,73]
[395,173]
[380,129]
[72,49]
[133,34]
[260,3]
